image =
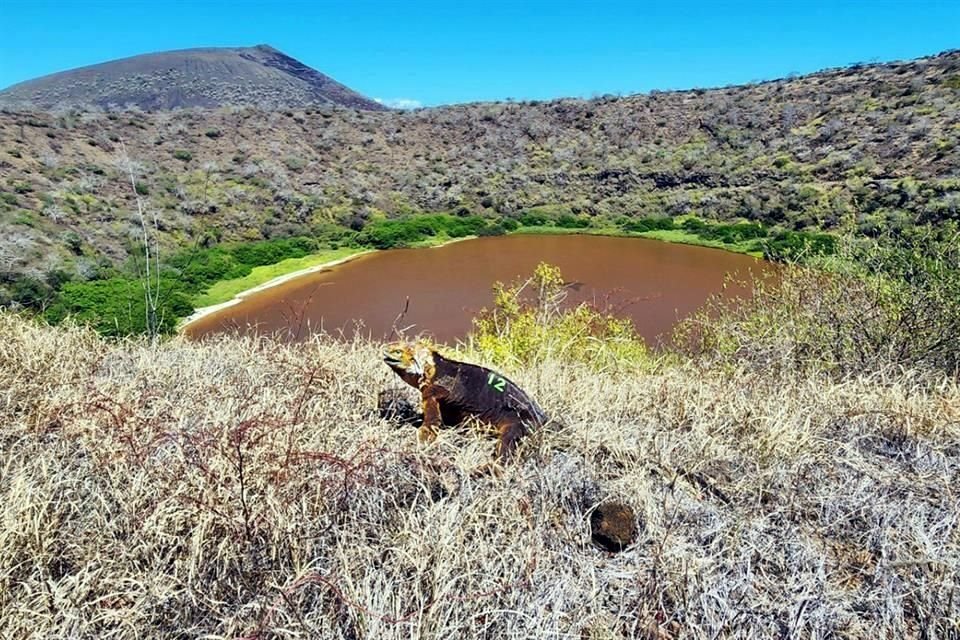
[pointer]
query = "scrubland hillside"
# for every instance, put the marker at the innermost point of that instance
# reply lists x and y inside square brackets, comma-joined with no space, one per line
[868,149]
[248,488]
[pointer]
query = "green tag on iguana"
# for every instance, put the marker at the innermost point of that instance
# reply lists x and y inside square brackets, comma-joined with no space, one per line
[496,382]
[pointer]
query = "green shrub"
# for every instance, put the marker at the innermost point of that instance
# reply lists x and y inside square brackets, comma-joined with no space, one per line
[798,246]
[567,221]
[116,306]
[256,254]
[402,232]
[529,323]
[495,229]
[74,242]
[693,225]
[198,268]
[183,154]
[294,163]
[27,291]
[533,219]
[649,224]
[733,233]
[871,307]
[25,217]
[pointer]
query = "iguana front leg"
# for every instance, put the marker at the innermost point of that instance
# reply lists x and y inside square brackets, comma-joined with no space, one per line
[432,420]
[510,430]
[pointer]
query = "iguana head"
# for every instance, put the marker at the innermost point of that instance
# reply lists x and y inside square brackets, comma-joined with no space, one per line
[412,361]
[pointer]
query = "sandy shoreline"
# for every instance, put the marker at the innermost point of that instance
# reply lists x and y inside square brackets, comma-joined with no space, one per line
[202,312]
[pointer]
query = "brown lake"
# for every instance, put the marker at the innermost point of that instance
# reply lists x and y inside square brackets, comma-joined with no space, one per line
[654,283]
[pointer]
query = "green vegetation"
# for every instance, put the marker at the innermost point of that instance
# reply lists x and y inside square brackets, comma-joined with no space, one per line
[224,290]
[869,307]
[798,246]
[201,267]
[529,324]
[682,236]
[30,292]
[204,276]
[117,306]
[752,238]
[743,237]
[551,230]
[410,230]
[114,302]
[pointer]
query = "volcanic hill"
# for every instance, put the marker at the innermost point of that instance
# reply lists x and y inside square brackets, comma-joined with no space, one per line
[257,76]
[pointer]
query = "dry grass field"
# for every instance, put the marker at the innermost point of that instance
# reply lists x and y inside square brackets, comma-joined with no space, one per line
[248,489]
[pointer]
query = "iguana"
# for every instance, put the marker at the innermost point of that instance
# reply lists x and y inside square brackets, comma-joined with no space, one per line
[453,391]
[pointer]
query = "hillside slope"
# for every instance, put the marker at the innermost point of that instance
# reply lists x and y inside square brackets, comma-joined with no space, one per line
[212,77]
[867,148]
[245,488]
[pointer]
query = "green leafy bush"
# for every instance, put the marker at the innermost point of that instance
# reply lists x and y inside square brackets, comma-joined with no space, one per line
[117,307]
[534,219]
[495,229]
[256,254]
[402,232]
[509,224]
[798,246]
[733,233]
[871,307]
[531,323]
[649,224]
[694,225]
[567,221]
[27,291]
[198,268]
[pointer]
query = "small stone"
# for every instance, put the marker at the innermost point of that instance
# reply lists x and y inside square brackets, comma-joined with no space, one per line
[394,406]
[613,526]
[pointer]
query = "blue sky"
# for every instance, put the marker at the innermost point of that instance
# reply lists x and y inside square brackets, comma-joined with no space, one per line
[446,52]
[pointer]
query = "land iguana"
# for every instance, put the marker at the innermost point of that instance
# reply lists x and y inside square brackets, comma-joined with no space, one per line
[452,392]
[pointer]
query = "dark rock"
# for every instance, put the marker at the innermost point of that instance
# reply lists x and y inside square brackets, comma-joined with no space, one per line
[613,526]
[395,406]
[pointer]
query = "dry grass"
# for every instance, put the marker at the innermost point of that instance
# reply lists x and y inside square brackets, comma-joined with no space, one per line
[245,488]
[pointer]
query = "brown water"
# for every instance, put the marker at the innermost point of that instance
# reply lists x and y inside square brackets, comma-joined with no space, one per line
[654,283]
